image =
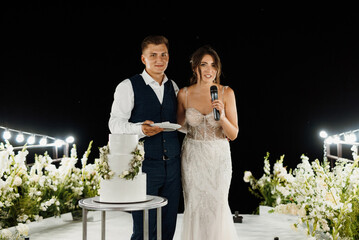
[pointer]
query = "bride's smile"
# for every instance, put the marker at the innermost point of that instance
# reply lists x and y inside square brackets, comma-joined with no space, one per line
[208,69]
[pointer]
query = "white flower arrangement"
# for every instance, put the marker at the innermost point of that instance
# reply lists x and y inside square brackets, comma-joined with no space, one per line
[42,190]
[101,163]
[136,162]
[325,200]
[21,231]
[106,173]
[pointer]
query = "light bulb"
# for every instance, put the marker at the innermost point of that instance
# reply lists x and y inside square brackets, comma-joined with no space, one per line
[323,134]
[59,143]
[6,135]
[31,139]
[350,137]
[70,139]
[43,141]
[20,138]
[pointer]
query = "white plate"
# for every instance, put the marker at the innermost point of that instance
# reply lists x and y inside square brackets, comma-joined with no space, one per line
[167,126]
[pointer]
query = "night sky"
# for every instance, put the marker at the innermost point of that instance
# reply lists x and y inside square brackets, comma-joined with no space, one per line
[294,71]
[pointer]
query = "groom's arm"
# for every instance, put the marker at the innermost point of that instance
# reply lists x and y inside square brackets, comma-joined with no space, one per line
[121,112]
[122,106]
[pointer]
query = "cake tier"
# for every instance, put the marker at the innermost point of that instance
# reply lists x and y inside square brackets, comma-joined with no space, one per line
[119,162]
[119,190]
[122,143]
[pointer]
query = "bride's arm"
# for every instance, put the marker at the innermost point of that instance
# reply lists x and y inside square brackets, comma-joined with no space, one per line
[181,97]
[229,120]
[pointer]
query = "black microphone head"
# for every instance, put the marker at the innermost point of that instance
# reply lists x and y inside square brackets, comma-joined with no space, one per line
[214,88]
[214,92]
[214,96]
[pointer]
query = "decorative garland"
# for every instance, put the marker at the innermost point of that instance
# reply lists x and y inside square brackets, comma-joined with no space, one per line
[102,167]
[106,173]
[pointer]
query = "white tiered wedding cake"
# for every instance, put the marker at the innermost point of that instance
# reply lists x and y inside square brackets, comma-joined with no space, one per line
[118,189]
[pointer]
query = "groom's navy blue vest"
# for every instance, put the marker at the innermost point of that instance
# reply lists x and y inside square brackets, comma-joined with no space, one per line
[147,107]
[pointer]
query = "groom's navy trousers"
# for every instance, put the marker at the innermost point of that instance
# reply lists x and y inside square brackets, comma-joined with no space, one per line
[162,156]
[163,179]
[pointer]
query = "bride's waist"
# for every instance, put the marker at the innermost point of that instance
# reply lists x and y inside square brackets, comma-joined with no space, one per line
[190,137]
[206,136]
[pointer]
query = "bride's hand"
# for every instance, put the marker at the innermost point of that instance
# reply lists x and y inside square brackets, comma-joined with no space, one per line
[218,104]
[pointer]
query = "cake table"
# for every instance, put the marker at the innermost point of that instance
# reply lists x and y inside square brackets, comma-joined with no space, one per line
[94,204]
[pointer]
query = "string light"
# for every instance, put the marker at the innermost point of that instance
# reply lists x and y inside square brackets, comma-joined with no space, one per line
[31,138]
[7,134]
[345,137]
[59,143]
[323,134]
[70,139]
[20,138]
[350,137]
[341,139]
[43,141]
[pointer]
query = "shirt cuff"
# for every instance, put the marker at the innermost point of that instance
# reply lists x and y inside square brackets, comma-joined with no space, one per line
[140,132]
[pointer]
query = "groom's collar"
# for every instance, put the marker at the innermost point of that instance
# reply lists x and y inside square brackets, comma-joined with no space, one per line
[149,80]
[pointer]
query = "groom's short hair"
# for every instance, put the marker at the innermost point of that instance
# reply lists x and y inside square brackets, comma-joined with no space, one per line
[154,39]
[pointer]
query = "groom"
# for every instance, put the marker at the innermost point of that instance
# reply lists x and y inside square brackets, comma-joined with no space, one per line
[149,98]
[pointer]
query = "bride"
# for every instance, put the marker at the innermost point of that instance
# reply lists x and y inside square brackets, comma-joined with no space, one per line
[206,157]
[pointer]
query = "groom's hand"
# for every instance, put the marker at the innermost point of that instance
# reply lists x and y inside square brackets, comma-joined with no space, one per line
[149,130]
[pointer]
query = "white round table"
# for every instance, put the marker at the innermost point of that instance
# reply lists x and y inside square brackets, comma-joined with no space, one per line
[151,203]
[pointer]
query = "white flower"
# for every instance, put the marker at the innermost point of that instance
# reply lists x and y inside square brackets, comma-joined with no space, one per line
[283,190]
[22,218]
[42,181]
[20,158]
[262,180]
[247,176]
[266,165]
[141,149]
[50,168]
[17,181]
[4,162]
[6,234]
[280,171]
[84,160]
[34,178]
[73,153]
[23,229]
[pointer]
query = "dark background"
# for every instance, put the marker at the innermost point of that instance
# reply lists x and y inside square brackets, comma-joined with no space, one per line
[294,70]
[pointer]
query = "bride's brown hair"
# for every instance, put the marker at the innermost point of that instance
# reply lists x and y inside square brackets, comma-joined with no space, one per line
[196,59]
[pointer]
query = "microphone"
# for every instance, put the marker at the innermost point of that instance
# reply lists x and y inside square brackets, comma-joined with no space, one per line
[214,96]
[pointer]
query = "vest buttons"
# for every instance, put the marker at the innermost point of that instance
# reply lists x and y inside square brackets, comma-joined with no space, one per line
[164,140]
[165,150]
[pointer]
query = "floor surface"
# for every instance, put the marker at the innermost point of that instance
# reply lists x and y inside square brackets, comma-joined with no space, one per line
[119,226]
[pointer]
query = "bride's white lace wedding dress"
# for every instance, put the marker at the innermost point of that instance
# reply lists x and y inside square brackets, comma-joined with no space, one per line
[206,177]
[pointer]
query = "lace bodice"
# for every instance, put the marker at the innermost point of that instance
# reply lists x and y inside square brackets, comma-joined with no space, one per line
[200,126]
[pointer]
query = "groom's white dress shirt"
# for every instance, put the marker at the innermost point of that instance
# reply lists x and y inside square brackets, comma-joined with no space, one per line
[124,102]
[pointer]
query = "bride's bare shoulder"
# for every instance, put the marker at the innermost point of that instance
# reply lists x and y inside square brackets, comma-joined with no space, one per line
[227,91]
